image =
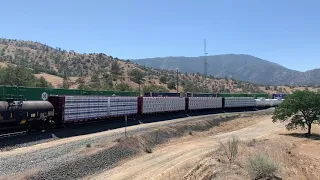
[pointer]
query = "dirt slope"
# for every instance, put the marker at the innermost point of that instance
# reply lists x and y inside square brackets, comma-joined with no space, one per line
[167,160]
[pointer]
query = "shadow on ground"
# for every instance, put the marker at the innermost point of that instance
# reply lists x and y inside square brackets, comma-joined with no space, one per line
[303,135]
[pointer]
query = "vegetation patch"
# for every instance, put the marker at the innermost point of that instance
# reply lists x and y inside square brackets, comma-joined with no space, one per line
[260,166]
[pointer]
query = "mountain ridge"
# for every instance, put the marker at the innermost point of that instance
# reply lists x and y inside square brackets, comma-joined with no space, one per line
[239,66]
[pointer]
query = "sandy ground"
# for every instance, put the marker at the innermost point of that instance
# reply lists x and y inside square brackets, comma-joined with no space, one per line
[169,160]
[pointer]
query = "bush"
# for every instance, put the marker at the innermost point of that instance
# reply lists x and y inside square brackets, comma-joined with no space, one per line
[88,145]
[252,142]
[163,79]
[148,149]
[232,150]
[260,166]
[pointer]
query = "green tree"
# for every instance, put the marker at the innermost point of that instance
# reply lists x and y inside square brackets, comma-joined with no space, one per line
[163,79]
[115,68]
[171,85]
[17,76]
[41,82]
[2,52]
[136,76]
[302,108]
[95,82]
[106,76]
[123,87]
[81,81]
[66,81]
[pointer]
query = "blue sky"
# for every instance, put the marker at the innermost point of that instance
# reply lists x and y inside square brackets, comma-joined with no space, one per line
[282,31]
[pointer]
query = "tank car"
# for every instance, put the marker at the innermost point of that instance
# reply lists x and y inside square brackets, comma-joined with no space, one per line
[31,114]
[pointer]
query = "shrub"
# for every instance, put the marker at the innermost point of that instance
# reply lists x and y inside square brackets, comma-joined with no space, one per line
[232,150]
[260,166]
[252,142]
[88,145]
[148,149]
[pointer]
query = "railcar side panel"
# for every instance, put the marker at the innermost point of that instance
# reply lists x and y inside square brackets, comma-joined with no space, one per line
[239,102]
[86,108]
[205,103]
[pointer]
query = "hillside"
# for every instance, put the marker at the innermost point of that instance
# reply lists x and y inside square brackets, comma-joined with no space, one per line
[241,67]
[99,71]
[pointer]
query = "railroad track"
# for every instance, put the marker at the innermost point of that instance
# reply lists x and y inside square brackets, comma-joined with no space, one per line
[11,134]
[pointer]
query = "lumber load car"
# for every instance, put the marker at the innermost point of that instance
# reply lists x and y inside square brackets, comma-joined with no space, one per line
[64,109]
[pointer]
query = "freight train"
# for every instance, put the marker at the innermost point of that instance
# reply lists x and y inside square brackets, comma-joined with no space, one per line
[64,109]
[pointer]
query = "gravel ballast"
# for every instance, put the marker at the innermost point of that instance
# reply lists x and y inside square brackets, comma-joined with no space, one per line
[64,162]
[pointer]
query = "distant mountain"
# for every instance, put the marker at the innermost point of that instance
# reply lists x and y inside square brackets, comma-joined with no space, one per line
[237,66]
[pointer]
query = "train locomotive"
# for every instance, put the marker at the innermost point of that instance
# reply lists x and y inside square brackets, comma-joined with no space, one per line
[64,109]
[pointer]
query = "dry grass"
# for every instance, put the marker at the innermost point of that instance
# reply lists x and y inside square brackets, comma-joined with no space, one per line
[54,80]
[277,154]
[261,166]
[231,150]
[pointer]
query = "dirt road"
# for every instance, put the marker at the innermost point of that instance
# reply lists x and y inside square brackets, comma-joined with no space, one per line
[167,160]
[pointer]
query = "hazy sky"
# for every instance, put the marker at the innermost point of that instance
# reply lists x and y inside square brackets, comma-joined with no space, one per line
[282,31]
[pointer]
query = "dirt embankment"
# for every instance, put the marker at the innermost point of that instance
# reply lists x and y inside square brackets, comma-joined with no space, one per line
[199,155]
[288,152]
[98,157]
[171,158]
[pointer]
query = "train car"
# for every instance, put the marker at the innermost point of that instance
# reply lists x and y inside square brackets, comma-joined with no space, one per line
[263,103]
[26,113]
[70,109]
[201,103]
[19,93]
[279,96]
[239,102]
[161,94]
[150,105]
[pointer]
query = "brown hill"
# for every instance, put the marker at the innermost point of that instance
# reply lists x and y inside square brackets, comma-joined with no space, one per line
[101,72]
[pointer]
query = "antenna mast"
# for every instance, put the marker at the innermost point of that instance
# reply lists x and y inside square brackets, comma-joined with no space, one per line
[205,63]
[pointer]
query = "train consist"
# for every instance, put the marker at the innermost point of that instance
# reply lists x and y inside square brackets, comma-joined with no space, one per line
[64,109]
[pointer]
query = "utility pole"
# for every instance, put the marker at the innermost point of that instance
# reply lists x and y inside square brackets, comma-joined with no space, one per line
[205,63]
[126,123]
[177,80]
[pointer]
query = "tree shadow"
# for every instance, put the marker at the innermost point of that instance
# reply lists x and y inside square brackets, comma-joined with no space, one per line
[303,135]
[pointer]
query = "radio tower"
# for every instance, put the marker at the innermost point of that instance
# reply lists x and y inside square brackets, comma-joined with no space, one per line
[205,63]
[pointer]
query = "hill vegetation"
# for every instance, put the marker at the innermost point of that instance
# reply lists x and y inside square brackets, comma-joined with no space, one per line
[30,63]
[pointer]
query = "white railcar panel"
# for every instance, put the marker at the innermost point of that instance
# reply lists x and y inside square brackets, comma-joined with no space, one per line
[234,102]
[86,107]
[205,102]
[162,104]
